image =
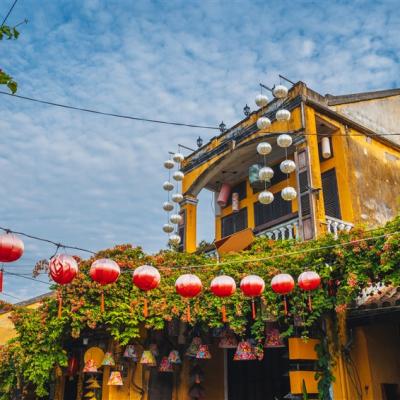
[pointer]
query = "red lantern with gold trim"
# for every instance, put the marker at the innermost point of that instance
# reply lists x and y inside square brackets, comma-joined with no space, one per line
[283,284]
[188,286]
[308,281]
[11,247]
[223,286]
[252,286]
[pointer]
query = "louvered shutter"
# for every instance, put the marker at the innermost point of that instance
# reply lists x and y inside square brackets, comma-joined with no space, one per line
[331,195]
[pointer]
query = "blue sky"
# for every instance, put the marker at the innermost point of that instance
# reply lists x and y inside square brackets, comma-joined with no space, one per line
[94,181]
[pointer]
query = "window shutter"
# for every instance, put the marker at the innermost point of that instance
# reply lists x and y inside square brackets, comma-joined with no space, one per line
[264,213]
[234,222]
[331,195]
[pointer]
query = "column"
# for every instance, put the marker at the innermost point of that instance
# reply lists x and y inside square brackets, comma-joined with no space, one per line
[189,210]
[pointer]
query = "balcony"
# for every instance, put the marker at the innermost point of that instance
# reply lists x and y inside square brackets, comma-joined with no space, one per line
[281,229]
[335,226]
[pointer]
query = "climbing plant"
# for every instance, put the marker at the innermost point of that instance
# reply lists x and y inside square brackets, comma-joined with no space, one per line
[9,33]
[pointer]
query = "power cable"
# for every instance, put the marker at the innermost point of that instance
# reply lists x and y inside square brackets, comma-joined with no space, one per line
[10,295]
[26,277]
[9,12]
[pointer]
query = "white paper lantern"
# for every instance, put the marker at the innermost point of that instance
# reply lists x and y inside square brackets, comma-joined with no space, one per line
[168,186]
[289,193]
[175,219]
[266,197]
[168,228]
[169,164]
[261,100]
[265,173]
[280,91]
[264,148]
[263,123]
[283,115]
[288,166]
[174,240]
[178,176]
[326,147]
[168,206]
[178,157]
[177,198]
[284,140]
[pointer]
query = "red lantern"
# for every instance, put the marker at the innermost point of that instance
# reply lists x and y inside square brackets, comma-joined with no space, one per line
[223,286]
[252,286]
[105,272]
[146,278]
[282,284]
[309,280]
[72,367]
[63,269]
[11,247]
[188,286]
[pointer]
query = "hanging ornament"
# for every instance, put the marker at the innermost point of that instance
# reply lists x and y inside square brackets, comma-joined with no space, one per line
[307,281]
[235,202]
[287,166]
[263,123]
[178,157]
[90,366]
[148,359]
[223,286]
[131,353]
[104,272]
[175,219]
[228,340]
[284,140]
[193,348]
[165,365]
[266,197]
[283,115]
[203,353]
[115,379]
[326,147]
[289,193]
[11,247]
[273,338]
[174,357]
[168,228]
[244,352]
[108,360]
[283,284]
[169,164]
[188,286]
[63,269]
[174,240]
[265,173]
[280,91]
[178,176]
[146,278]
[264,148]
[168,206]
[223,194]
[168,186]
[177,198]
[261,100]
[252,286]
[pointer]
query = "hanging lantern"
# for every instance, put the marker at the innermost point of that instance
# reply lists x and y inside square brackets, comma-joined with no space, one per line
[203,353]
[165,365]
[148,359]
[263,123]
[104,272]
[223,286]
[178,157]
[261,100]
[175,219]
[177,198]
[265,173]
[115,379]
[146,278]
[193,347]
[90,366]
[63,269]
[188,286]
[326,147]
[228,340]
[223,195]
[284,140]
[174,357]
[11,247]
[93,384]
[178,176]
[168,228]
[273,338]
[252,286]
[283,115]
[280,91]
[264,148]
[168,186]
[235,202]
[108,360]
[287,166]
[169,164]
[168,206]
[72,367]
[174,240]
[154,349]
[131,352]
[289,193]
[307,281]
[244,352]
[282,284]
[266,197]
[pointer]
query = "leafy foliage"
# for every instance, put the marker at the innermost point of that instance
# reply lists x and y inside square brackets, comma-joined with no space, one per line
[9,33]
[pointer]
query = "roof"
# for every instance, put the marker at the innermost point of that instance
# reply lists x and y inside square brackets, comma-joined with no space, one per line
[29,302]
[363,96]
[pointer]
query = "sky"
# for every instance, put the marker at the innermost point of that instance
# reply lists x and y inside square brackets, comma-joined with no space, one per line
[95,181]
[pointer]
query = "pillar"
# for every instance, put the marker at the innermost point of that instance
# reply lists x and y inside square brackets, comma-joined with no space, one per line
[189,211]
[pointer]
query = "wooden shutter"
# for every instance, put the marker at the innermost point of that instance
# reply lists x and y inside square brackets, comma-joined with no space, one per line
[331,195]
[264,213]
[234,222]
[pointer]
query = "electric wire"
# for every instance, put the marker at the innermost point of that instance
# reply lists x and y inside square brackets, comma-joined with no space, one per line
[9,12]
[10,295]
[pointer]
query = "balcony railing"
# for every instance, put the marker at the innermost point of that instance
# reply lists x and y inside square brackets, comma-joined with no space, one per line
[335,226]
[284,231]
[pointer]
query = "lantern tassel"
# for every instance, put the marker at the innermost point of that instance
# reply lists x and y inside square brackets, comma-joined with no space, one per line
[253,309]
[60,303]
[188,317]
[223,312]
[102,301]
[285,305]
[145,308]
[309,303]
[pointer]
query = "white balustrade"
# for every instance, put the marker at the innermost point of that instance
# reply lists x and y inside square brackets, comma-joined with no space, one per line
[285,231]
[335,226]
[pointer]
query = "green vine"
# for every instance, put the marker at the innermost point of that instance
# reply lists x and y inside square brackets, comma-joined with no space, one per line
[9,33]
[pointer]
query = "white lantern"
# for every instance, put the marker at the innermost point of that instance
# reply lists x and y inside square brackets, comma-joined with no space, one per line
[289,193]
[168,206]
[284,140]
[168,186]
[178,157]
[178,176]
[265,173]
[326,147]
[175,219]
[169,164]
[266,197]
[261,100]
[263,123]
[280,91]
[174,240]
[177,198]
[283,115]
[168,228]
[264,148]
[287,166]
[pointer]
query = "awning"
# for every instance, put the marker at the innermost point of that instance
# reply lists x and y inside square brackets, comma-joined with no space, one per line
[237,242]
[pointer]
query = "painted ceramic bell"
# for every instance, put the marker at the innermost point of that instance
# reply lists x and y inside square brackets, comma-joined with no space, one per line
[228,340]
[273,338]
[90,366]
[244,352]
[131,353]
[108,359]
[165,365]
[115,379]
[203,352]
[148,359]
[174,357]
[154,349]
[193,347]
